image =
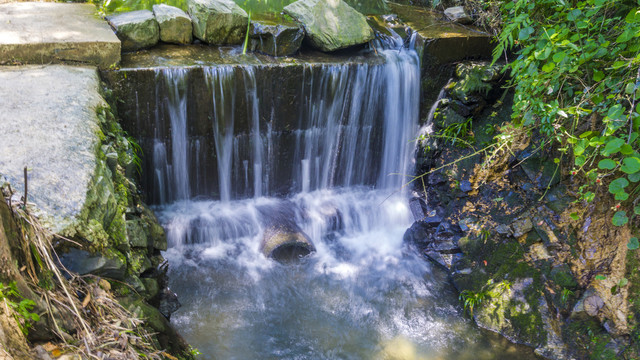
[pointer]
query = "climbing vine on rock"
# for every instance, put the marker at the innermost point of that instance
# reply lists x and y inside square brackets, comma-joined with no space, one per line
[576,79]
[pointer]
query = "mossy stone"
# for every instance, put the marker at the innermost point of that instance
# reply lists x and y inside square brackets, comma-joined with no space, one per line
[330,25]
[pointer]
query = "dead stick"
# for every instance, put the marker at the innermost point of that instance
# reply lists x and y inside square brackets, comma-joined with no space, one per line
[25,188]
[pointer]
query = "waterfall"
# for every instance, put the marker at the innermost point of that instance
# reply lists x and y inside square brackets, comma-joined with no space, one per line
[172,179]
[326,146]
[354,126]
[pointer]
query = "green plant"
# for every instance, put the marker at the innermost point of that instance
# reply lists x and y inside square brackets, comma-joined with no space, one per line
[566,294]
[460,133]
[246,36]
[504,285]
[471,299]
[194,351]
[137,153]
[576,79]
[21,307]
[485,234]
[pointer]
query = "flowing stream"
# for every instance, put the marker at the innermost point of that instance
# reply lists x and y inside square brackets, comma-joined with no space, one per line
[338,174]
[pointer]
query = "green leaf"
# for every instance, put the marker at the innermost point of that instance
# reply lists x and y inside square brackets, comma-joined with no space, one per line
[525,33]
[633,244]
[589,196]
[559,56]
[574,216]
[613,146]
[620,218]
[601,277]
[574,14]
[626,149]
[622,196]
[623,282]
[626,35]
[598,75]
[618,64]
[618,185]
[630,88]
[630,165]
[607,164]
[587,134]
[548,67]
[633,16]
[634,178]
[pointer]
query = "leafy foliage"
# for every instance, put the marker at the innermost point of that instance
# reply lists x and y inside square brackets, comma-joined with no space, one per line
[21,307]
[577,80]
[471,299]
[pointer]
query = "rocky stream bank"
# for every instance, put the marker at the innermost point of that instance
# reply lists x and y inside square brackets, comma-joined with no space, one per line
[497,208]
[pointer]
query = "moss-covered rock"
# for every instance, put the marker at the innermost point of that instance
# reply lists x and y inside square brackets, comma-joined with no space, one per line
[330,24]
[174,24]
[219,22]
[137,29]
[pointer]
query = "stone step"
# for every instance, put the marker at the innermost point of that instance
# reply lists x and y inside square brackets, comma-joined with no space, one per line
[43,33]
[445,41]
[48,123]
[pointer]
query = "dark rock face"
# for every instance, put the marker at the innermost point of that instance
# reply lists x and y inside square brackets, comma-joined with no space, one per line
[168,302]
[83,262]
[526,243]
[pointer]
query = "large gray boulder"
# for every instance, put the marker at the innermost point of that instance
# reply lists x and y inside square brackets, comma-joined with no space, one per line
[137,29]
[218,22]
[331,24]
[175,25]
[276,38]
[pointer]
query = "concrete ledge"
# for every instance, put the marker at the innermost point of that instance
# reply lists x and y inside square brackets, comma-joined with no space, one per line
[42,33]
[444,41]
[48,123]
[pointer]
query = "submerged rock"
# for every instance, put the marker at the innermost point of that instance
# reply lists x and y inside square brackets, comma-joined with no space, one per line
[218,22]
[331,24]
[175,25]
[276,38]
[285,244]
[137,29]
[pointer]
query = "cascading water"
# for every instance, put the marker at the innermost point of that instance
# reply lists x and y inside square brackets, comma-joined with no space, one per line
[342,162]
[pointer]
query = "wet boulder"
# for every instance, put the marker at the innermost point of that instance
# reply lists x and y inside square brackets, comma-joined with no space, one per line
[218,22]
[136,30]
[276,37]
[175,25]
[285,243]
[330,24]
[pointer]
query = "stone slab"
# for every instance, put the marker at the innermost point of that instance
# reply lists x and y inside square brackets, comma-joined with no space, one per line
[445,41]
[48,123]
[42,33]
